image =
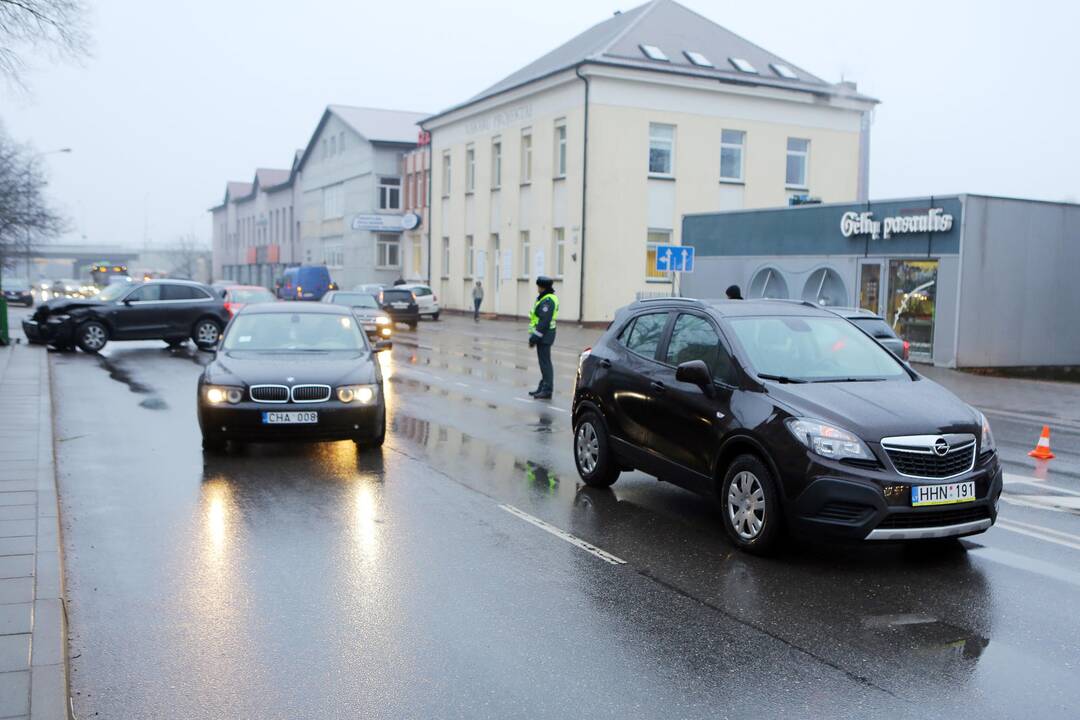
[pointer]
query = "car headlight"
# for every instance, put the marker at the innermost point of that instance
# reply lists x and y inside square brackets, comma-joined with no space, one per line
[362,394]
[828,440]
[987,442]
[382,320]
[218,394]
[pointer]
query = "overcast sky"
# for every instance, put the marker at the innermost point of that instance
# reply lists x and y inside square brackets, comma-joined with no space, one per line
[180,97]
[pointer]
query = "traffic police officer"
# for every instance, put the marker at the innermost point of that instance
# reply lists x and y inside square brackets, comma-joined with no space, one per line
[542,333]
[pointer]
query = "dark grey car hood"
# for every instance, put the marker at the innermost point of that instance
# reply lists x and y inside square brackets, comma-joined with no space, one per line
[249,367]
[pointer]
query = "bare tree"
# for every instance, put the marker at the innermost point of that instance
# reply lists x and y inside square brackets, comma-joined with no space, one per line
[25,217]
[56,26]
[184,255]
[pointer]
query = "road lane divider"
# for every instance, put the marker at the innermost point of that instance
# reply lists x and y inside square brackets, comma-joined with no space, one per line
[1011,479]
[563,535]
[1041,533]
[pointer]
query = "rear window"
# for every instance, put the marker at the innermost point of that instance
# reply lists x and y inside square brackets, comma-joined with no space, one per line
[421,291]
[875,327]
[250,296]
[397,296]
[354,299]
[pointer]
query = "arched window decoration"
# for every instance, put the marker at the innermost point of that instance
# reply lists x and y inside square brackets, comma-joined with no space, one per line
[824,287]
[768,283]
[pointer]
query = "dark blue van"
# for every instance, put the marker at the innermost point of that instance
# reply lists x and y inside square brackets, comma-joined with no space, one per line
[307,282]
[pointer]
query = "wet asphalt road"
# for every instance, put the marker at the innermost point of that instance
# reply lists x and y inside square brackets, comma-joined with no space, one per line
[310,581]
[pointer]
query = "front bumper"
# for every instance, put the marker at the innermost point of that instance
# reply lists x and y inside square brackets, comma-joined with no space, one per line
[853,504]
[337,421]
[51,332]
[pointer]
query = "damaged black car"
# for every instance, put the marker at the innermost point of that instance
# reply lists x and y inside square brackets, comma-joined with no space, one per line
[169,310]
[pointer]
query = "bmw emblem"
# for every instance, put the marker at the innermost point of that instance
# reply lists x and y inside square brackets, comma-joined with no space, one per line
[290,379]
[941,446]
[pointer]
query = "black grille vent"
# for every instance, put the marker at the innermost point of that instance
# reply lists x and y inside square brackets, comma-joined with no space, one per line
[270,393]
[310,393]
[935,518]
[930,465]
[842,511]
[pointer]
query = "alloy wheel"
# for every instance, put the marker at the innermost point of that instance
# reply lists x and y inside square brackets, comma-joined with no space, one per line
[746,505]
[206,333]
[94,337]
[588,447]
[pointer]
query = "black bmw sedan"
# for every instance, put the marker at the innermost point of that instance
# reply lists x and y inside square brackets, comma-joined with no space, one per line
[292,371]
[789,417]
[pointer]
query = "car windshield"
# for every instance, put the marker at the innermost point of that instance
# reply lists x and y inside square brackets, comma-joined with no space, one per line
[355,299]
[294,331]
[250,295]
[113,292]
[813,349]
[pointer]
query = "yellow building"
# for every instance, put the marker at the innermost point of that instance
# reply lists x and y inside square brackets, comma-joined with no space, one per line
[580,163]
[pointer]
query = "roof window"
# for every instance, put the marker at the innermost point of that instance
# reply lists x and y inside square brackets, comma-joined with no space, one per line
[654,53]
[697,58]
[742,65]
[784,71]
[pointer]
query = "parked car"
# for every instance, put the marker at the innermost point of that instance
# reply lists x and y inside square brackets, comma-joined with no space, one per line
[293,372]
[875,326]
[789,417]
[18,291]
[305,282]
[236,297]
[169,310]
[370,288]
[400,305]
[426,299]
[376,323]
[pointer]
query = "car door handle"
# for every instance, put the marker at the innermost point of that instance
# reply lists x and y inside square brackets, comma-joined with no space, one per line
[658,386]
[605,363]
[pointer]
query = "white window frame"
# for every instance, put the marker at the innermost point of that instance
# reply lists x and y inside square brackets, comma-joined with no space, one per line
[526,156]
[387,191]
[739,147]
[470,256]
[445,257]
[558,255]
[651,242]
[333,252]
[333,201]
[496,163]
[560,148]
[525,244]
[446,173]
[470,168]
[659,140]
[805,155]
[384,244]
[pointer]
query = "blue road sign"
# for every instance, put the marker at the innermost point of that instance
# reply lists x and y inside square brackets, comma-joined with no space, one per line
[674,258]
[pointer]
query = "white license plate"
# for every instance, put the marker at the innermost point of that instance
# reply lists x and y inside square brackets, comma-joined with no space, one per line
[947,494]
[399,306]
[290,418]
[369,328]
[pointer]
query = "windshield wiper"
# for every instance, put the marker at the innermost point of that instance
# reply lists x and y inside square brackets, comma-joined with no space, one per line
[849,379]
[779,378]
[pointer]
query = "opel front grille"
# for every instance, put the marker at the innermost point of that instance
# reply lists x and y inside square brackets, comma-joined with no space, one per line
[270,393]
[310,393]
[931,457]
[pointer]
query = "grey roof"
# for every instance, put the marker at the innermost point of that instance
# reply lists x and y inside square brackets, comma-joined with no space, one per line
[674,29]
[269,177]
[235,189]
[375,125]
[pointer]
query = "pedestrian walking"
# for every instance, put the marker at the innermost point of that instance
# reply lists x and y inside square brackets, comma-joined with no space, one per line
[542,333]
[477,298]
[734,293]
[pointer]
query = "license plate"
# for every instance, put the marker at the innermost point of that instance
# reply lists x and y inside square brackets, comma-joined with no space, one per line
[948,494]
[290,418]
[369,328]
[399,306]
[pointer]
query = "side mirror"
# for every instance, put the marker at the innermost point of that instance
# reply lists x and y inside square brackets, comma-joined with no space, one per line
[696,372]
[127,302]
[381,345]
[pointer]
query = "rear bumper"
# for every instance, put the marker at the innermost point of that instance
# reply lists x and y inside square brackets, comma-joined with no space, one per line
[337,421]
[403,316]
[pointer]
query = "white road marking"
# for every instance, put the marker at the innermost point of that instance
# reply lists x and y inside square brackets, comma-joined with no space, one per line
[524,400]
[461,384]
[563,535]
[1027,564]
[1040,533]
[1038,505]
[1022,480]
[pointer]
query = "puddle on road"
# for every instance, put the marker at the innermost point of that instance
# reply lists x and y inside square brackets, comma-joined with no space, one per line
[122,375]
[926,634]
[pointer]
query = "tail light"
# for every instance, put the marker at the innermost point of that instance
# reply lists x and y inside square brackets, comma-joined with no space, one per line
[434,297]
[380,297]
[413,296]
[907,350]
[231,308]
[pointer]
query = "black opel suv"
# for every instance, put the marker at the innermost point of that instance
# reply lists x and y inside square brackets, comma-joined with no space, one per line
[790,417]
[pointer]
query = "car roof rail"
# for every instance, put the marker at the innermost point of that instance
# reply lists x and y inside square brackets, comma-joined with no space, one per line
[672,298]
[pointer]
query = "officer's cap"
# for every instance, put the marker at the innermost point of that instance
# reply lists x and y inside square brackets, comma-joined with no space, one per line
[545,282]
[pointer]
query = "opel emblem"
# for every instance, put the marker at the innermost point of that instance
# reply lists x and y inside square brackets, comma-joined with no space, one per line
[941,446]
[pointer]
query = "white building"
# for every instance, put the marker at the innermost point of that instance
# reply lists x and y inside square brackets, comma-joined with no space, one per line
[581,163]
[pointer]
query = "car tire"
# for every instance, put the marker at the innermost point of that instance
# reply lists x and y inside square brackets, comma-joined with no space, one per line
[435,316]
[174,343]
[206,333]
[592,451]
[91,336]
[213,443]
[372,443]
[412,325]
[750,506]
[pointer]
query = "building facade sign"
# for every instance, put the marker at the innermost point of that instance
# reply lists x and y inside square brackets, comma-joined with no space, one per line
[378,222]
[499,120]
[863,223]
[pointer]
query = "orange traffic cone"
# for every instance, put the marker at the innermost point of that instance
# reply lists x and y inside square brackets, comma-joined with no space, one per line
[1042,448]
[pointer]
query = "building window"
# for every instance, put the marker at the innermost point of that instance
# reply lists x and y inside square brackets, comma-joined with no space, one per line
[470,169]
[560,148]
[496,164]
[333,201]
[389,193]
[470,257]
[798,151]
[661,149]
[445,258]
[655,239]
[559,241]
[446,174]
[731,154]
[526,155]
[333,250]
[526,254]
[387,251]
[768,283]
[417,258]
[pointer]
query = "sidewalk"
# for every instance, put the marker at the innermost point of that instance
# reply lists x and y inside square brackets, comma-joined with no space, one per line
[1041,401]
[33,625]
